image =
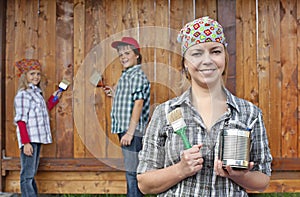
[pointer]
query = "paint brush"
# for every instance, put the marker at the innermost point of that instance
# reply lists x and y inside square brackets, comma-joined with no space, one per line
[250,127]
[176,119]
[95,79]
[63,85]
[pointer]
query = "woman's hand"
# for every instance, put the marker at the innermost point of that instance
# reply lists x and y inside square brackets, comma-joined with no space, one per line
[191,161]
[228,172]
[28,150]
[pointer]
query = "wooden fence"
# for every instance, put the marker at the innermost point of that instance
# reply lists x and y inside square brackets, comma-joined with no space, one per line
[72,40]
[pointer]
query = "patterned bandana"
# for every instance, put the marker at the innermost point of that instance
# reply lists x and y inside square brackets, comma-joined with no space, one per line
[25,65]
[200,30]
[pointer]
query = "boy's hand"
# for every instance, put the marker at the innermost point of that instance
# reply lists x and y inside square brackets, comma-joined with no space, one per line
[126,139]
[109,91]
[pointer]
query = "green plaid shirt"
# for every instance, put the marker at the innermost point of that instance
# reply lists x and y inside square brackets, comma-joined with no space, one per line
[162,147]
[133,85]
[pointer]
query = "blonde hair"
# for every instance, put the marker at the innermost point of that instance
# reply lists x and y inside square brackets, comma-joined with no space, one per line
[23,83]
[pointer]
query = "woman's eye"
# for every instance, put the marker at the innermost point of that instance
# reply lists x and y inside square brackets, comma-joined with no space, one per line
[217,51]
[196,54]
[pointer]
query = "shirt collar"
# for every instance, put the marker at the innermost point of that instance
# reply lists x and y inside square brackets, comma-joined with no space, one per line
[186,98]
[34,87]
[131,69]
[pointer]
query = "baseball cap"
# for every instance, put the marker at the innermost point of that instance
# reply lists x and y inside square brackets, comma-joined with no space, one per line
[126,41]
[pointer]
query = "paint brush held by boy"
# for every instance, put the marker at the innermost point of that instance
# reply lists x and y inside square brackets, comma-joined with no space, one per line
[176,119]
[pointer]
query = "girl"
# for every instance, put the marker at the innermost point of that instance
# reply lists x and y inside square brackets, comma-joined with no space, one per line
[167,169]
[32,120]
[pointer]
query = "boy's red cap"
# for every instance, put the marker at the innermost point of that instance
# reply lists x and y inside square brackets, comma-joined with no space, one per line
[126,40]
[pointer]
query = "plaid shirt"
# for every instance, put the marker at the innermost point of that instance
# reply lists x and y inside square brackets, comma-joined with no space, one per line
[31,108]
[133,85]
[162,147]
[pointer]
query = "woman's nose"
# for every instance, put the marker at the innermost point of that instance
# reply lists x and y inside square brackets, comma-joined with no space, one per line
[206,58]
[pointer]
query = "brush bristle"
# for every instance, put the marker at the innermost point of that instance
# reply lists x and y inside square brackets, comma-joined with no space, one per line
[65,82]
[174,115]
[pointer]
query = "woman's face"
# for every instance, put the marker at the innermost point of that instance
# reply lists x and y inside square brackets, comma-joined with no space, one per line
[33,76]
[205,63]
[127,56]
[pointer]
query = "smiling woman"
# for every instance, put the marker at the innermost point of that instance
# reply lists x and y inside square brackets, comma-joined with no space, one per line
[208,108]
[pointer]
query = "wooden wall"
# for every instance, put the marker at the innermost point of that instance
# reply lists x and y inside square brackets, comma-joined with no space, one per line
[72,40]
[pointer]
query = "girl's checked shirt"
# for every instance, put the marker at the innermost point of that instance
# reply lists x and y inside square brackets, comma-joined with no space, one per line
[162,147]
[31,108]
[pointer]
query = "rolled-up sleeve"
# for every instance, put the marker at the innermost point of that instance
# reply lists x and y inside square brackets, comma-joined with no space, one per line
[22,106]
[153,152]
[140,86]
[260,153]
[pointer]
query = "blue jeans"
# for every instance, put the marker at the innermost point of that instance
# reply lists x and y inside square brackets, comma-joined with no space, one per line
[131,162]
[29,167]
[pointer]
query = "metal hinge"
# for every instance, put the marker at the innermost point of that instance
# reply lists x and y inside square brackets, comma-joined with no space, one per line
[3,155]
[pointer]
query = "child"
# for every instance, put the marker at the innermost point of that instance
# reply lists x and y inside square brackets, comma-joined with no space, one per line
[32,120]
[167,169]
[131,105]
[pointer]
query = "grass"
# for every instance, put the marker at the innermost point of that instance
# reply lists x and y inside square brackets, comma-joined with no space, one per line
[123,195]
[276,195]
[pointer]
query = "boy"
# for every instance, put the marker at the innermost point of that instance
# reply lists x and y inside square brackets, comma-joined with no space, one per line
[131,106]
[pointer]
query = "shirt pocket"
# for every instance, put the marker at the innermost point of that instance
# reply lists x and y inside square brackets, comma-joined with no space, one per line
[173,146]
[36,112]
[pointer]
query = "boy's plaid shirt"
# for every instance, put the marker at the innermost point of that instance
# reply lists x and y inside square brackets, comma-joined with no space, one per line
[133,85]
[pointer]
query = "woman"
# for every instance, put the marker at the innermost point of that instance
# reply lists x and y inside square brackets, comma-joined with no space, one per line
[207,108]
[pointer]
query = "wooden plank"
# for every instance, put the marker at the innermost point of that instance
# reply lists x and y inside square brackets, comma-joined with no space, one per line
[64,70]
[176,23]
[114,31]
[162,54]
[263,57]
[10,77]
[68,165]
[147,32]
[73,183]
[93,139]
[47,56]
[79,24]
[286,164]
[274,116]
[14,30]
[288,43]
[99,19]
[226,17]
[298,63]
[239,50]
[206,8]
[249,47]
[2,81]
[247,82]
[115,183]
